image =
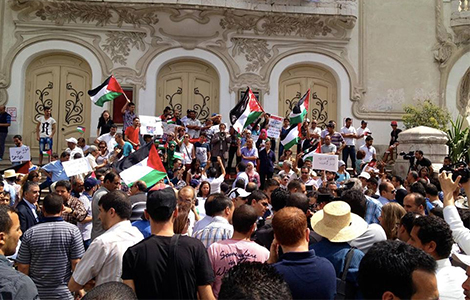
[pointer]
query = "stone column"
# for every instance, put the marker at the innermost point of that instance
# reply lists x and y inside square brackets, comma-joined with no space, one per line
[429,140]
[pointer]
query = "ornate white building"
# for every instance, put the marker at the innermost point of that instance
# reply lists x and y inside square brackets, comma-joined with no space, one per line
[363,59]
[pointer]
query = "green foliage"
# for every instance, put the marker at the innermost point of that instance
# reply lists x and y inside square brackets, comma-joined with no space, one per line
[426,113]
[459,141]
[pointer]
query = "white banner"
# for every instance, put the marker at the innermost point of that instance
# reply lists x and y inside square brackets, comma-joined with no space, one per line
[325,162]
[275,126]
[150,125]
[18,154]
[76,166]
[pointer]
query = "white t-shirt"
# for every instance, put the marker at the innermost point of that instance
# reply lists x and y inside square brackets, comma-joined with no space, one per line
[215,183]
[349,140]
[369,153]
[74,151]
[45,129]
[193,133]
[108,139]
[187,151]
[362,141]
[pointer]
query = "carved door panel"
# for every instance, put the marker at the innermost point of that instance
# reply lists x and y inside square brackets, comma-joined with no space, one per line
[188,85]
[295,82]
[60,82]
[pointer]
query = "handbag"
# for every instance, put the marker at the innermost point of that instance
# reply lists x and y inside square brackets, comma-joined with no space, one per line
[344,289]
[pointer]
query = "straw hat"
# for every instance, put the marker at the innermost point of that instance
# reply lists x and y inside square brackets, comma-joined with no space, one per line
[336,222]
[9,173]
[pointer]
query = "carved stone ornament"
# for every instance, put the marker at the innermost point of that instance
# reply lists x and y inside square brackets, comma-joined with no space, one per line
[256,52]
[445,46]
[119,43]
[3,96]
[464,93]
[62,12]
[305,26]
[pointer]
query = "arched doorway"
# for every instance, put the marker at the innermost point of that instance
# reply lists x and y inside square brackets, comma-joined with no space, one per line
[60,81]
[188,84]
[294,83]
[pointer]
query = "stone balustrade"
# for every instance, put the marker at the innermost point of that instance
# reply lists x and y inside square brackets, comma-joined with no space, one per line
[464,5]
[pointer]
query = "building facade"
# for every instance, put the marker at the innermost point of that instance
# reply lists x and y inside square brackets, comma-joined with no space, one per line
[363,59]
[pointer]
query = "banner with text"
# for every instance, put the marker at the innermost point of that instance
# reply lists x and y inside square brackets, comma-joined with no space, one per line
[275,126]
[18,154]
[150,125]
[76,167]
[325,162]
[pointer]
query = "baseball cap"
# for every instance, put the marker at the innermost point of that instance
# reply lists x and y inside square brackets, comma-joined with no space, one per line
[72,140]
[394,123]
[161,203]
[238,192]
[90,182]
[365,175]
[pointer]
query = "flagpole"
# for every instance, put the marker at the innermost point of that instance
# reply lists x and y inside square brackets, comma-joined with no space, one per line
[126,96]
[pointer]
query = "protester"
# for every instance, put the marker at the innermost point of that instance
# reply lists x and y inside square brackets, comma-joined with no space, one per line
[146,265]
[28,212]
[228,253]
[104,123]
[45,131]
[394,270]
[103,259]
[308,276]
[49,262]
[390,219]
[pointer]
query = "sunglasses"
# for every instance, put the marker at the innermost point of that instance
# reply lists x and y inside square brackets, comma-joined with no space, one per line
[304,172]
[393,191]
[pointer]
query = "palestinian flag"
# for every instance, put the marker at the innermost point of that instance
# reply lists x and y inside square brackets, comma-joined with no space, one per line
[81,129]
[245,112]
[107,91]
[309,156]
[300,109]
[178,155]
[150,170]
[291,137]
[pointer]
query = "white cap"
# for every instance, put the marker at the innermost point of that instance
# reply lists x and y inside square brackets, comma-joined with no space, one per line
[72,140]
[365,175]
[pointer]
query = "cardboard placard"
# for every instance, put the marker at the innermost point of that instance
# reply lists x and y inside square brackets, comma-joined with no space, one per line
[76,166]
[13,113]
[275,126]
[150,125]
[328,162]
[18,154]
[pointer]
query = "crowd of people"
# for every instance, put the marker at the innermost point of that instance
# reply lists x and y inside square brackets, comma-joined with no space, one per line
[232,219]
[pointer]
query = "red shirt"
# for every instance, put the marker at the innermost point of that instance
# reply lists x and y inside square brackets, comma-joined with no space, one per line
[133,134]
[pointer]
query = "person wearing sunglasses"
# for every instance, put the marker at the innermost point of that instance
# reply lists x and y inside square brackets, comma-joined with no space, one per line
[387,193]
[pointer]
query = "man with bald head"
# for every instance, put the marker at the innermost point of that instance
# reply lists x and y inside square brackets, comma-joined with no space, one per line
[5,122]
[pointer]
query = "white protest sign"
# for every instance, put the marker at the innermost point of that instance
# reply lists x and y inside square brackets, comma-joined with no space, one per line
[151,125]
[275,126]
[167,128]
[20,154]
[76,166]
[325,162]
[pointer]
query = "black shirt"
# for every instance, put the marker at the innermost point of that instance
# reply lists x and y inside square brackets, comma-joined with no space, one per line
[105,125]
[147,264]
[394,136]
[423,162]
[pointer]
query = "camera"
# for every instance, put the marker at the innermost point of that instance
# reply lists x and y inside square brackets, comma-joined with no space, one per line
[410,155]
[461,169]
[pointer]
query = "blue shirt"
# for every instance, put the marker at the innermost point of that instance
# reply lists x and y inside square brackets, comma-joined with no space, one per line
[144,227]
[57,170]
[33,209]
[373,211]
[126,149]
[14,284]
[308,276]
[336,254]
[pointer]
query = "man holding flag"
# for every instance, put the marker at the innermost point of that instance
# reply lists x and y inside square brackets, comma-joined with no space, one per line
[247,111]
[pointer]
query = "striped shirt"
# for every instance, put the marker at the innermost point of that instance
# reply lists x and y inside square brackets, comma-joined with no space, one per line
[219,229]
[48,249]
[103,259]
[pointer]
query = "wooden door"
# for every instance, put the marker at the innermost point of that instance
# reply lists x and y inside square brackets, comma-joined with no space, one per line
[295,82]
[186,85]
[61,82]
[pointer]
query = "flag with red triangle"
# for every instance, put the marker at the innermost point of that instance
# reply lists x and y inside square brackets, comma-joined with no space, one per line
[149,169]
[247,111]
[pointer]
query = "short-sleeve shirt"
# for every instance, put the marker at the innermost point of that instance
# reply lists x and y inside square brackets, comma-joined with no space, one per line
[369,153]
[127,149]
[48,248]
[193,133]
[45,127]
[227,253]
[133,134]
[328,148]
[108,139]
[146,263]
[349,140]
[201,151]
[5,118]
[361,141]
[57,170]
[337,139]
[128,118]
[249,152]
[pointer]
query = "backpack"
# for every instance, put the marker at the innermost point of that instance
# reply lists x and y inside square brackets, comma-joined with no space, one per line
[344,289]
